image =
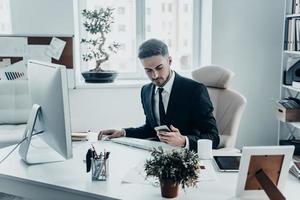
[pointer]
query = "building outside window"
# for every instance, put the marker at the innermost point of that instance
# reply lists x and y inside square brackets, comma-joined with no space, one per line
[122,28]
[121,10]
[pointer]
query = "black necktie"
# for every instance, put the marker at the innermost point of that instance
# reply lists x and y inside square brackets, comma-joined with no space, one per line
[162,113]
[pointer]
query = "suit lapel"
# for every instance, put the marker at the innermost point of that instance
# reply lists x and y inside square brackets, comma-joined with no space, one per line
[151,101]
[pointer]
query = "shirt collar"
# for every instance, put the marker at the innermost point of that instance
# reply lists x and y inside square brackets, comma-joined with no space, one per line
[168,86]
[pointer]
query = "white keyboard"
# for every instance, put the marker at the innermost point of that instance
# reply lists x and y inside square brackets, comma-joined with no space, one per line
[142,143]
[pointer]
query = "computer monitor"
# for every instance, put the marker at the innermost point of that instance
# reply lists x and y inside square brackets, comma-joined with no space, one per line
[48,131]
[263,171]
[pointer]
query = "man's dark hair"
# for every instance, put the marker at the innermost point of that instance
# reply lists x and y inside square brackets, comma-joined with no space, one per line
[153,47]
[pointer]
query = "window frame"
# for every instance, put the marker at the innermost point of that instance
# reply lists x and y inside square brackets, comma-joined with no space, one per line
[141,14]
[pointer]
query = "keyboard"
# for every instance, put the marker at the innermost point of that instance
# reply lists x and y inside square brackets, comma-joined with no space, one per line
[142,143]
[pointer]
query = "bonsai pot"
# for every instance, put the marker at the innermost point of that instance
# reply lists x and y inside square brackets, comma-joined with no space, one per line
[169,189]
[105,76]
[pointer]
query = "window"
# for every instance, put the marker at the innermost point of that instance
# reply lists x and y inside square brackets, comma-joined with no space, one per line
[5,17]
[186,8]
[148,11]
[135,21]
[121,10]
[122,28]
[2,27]
[148,28]
[123,32]
[170,7]
[163,7]
[179,27]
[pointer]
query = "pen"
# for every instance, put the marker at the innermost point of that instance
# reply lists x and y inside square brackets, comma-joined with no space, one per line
[96,155]
[100,135]
[106,155]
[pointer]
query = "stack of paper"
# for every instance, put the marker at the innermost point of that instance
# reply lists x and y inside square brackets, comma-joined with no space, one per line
[295,169]
[80,136]
[137,174]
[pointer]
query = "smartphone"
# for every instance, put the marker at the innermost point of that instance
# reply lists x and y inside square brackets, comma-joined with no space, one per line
[162,128]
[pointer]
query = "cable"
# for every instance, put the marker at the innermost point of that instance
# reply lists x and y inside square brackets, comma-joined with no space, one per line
[5,157]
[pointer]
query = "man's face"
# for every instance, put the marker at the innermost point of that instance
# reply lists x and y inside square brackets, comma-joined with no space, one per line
[157,68]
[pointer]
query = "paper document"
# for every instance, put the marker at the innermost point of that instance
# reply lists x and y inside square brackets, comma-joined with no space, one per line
[36,52]
[56,48]
[12,46]
[207,171]
[137,175]
[15,71]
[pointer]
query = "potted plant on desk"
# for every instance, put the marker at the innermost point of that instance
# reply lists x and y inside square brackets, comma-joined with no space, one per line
[98,24]
[174,168]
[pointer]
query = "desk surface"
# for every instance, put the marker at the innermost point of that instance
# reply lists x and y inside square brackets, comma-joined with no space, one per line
[69,180]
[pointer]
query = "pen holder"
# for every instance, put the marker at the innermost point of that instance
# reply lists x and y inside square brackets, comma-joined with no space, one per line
[99,169]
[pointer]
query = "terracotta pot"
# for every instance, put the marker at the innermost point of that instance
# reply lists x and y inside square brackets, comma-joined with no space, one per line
[169,189]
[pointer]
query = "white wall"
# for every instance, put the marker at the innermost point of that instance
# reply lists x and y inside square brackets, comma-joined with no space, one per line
[96,109]
[42,16]
[247,38]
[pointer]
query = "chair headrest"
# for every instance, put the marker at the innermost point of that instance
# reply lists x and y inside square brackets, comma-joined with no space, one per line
[213,76]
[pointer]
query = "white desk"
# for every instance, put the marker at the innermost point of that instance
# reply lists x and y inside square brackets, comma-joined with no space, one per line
[69,180]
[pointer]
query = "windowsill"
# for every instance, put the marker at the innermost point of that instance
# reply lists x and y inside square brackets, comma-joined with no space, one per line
[119,83]
[115,84]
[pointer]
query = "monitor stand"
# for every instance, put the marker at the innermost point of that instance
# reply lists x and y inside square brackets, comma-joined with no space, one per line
[33,150]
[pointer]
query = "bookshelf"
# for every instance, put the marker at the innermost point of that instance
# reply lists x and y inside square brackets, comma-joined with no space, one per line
[290,56]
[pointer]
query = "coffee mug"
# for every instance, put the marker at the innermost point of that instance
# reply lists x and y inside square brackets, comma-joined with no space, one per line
[204,149]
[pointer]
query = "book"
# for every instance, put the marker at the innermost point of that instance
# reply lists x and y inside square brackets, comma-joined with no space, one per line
[290,7]
[80,136]
[291,61]
[297,35]
[297,6]
[296,84]
[295,169]
[296,158]
[293,35]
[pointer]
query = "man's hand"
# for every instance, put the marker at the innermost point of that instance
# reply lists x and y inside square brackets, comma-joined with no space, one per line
[111,133]
[173,138]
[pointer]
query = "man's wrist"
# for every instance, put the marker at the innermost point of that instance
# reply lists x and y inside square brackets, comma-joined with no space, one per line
[123,132]
[187,142]
[183,139]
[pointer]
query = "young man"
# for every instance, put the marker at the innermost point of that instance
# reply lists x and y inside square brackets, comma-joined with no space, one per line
[180,103]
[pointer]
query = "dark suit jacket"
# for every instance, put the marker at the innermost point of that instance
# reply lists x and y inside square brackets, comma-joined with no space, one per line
[189,110]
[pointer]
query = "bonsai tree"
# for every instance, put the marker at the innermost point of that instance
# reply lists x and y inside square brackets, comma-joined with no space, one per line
[173,168]
[98,24]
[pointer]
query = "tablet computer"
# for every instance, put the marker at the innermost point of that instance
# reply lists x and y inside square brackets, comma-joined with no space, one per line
[227,163]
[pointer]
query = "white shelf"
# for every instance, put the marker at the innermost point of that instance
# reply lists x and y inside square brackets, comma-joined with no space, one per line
[291,88]
[293,15]
[295,124]
[292,52]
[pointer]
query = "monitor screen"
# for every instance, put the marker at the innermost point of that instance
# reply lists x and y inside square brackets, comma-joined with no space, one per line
[48,88]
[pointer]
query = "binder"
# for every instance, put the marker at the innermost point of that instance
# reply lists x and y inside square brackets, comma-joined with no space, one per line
[297,6]
[297,35]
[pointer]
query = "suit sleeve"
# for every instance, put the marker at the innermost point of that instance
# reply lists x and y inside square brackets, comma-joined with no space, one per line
[204,123]
[144,131]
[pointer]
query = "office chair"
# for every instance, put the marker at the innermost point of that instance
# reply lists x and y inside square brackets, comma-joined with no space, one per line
[14,110]
[228,104]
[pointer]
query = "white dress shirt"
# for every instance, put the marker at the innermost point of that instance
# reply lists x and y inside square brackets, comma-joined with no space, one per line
[165,98]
